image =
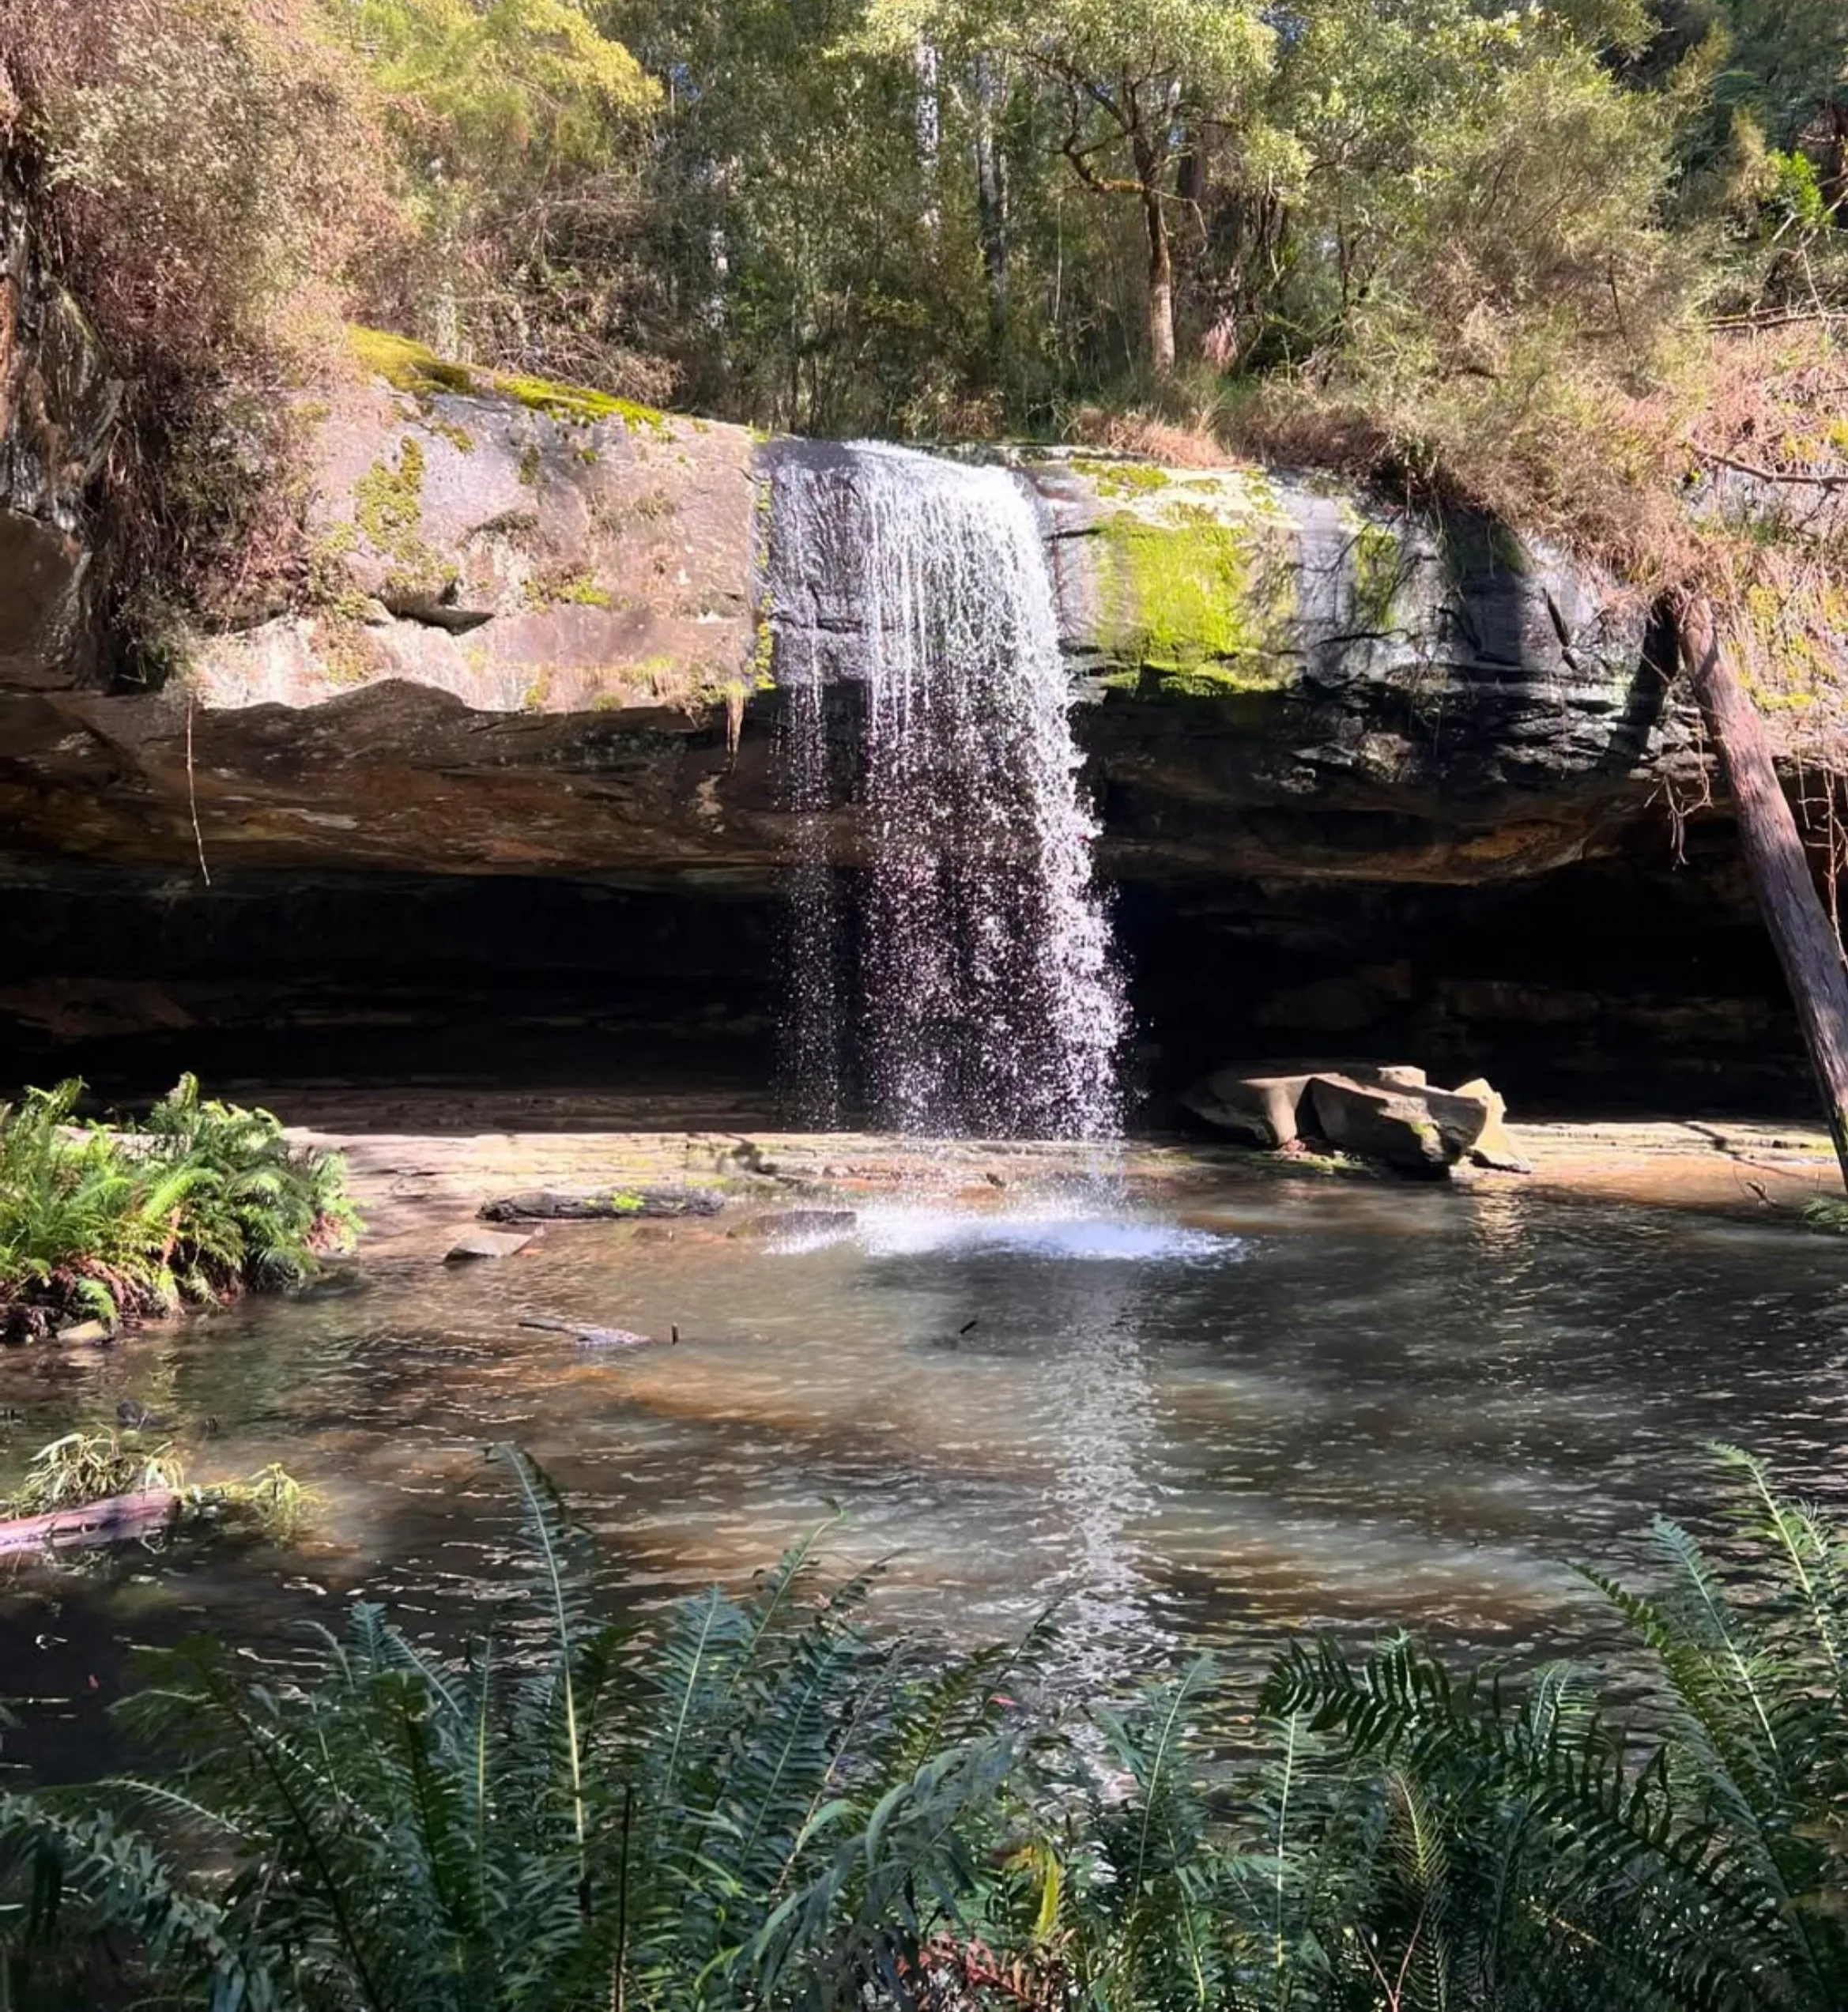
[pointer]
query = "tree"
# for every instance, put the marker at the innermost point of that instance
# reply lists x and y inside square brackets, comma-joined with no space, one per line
[1131,83]
[515,120]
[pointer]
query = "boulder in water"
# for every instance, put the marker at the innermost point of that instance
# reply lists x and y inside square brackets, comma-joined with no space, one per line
[1496,1147]
[1393,1126]
[1267,1110]
[1389,1112]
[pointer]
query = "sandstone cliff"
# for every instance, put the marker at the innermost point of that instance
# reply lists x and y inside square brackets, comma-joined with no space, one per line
[1362,772]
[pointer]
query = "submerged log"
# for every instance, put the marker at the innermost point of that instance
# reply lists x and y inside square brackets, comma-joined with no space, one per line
[114,1519]
[1793,913]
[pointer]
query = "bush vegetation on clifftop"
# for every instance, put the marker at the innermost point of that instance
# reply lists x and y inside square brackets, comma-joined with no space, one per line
[1584,266]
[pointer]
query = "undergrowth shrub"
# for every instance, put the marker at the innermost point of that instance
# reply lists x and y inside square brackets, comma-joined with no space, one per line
[206,1199]
[205,175]
[748,1801]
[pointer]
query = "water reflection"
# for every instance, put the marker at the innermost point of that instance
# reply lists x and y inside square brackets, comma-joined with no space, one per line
[1344,1407]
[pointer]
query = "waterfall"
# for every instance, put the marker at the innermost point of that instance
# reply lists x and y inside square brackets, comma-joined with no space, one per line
[949,961]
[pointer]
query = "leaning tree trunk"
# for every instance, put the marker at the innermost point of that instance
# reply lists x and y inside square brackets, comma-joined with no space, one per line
[1793,912]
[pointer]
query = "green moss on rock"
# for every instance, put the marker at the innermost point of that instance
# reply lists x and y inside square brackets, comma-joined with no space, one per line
[1116,480]
[546,588]
[410,366]
[406,365]
[349,655]
[388,508]
[1378,567]
[1189,594]
[581,406]
[388,499]
[458,437]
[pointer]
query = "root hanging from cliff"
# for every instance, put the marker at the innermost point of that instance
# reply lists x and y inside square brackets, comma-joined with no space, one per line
[192,798]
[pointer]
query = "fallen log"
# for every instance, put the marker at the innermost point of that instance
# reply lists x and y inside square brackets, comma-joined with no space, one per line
[603,1204]
[114,1519]
[1793,913]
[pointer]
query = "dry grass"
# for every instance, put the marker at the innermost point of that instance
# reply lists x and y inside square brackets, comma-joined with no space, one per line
[1191,443]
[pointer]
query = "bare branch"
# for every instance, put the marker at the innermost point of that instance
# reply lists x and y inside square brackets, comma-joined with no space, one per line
[1771,474]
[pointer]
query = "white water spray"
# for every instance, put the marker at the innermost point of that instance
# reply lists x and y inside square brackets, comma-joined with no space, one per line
[959,972]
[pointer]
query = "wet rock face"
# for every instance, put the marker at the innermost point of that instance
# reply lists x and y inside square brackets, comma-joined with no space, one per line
[1293,680]
[1307,685]
[57,405]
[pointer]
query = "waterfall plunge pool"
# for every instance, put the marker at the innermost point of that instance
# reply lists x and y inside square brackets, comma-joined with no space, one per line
[1304,1405]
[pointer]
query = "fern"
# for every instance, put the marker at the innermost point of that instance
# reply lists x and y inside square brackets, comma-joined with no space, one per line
[724,1807]
[752,1803]
[206,1198]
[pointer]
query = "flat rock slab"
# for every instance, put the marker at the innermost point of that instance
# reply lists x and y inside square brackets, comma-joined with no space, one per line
[86,1333]
[485,1243]
[601,1205]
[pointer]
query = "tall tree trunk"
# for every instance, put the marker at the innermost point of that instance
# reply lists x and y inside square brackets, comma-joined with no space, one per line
[1781,876]
[991,219]
[929,129]
[1161,282]
[1835,178]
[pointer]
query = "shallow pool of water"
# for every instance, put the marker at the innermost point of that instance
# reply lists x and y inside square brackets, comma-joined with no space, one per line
[1352,1406]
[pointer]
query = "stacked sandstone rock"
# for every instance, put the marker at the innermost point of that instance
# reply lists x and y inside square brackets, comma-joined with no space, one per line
[1377,1112]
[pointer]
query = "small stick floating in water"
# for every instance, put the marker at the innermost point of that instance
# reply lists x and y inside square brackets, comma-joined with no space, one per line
[593,1337]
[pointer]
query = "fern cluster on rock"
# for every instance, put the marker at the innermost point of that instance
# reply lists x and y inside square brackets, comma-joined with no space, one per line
[202,1200]
[753,1801]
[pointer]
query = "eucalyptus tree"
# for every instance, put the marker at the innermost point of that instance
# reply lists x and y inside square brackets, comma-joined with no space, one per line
[1135,87]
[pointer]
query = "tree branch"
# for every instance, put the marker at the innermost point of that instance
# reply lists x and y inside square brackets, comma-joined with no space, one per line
[1771,474]
[1105,185]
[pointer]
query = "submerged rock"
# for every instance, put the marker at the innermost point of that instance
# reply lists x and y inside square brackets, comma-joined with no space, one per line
[86,1333]
[590,1337]
[799,1222]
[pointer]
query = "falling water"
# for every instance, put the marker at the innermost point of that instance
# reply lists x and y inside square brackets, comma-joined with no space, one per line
[950,955]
